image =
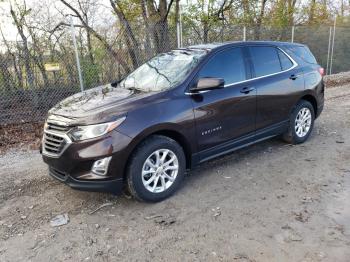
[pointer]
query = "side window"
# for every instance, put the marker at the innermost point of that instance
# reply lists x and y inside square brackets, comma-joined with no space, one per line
[228,64]
[265,60]
[285,61]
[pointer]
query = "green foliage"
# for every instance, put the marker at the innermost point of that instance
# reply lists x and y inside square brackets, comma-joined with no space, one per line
[279,15]
[90,72]
[131,9]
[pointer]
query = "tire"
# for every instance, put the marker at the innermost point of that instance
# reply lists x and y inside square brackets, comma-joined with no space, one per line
[297,135]
[146,180]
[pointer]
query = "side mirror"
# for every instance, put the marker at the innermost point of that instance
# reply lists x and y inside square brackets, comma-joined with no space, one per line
[208,83]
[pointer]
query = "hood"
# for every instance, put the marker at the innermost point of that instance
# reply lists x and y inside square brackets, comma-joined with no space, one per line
[100,104]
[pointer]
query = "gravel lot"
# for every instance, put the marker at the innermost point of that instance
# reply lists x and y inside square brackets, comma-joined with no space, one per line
[268,202]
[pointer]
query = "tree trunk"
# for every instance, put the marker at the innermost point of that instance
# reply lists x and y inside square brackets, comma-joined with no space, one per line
[130,39]
[17,70]
[29,72]
[148,47]
[38,57]
[312,11]
[6,78]
[260,19]
[205,32]
[159,16]
[291,10]
[89,46]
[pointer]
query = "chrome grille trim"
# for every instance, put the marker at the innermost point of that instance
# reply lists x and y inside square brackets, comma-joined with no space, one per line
[55,126]
[55,139]
[52,139]
[54,143]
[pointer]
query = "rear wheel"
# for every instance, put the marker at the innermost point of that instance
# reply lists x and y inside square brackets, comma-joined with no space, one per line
[156,169]
[301,123]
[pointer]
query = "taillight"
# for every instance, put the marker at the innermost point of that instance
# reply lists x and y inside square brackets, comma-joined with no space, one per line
[321,71]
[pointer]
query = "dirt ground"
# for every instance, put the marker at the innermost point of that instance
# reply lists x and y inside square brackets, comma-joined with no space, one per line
[267,202]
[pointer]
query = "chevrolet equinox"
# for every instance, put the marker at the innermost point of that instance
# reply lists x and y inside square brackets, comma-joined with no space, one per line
[180,109]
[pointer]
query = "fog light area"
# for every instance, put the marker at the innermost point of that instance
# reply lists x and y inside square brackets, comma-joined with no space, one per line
[100,167]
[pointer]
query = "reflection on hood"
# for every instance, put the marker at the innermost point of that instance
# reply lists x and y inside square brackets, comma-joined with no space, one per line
[96,105]
[92,99]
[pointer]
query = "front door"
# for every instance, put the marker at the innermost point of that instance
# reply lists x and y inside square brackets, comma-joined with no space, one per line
[228,113]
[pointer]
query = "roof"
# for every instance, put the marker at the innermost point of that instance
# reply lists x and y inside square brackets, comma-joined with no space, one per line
[211,46]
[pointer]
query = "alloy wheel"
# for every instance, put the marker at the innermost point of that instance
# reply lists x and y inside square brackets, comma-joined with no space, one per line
[303,122]
[159,171]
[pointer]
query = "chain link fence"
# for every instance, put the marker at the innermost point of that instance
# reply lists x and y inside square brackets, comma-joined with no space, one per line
[36,76]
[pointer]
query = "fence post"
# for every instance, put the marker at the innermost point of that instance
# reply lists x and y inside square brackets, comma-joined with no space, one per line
[76,54]
[293,28]
[329,49]
[222,30]
[180,20]
[178,34]
[331,65]
[179,29]
[244,33]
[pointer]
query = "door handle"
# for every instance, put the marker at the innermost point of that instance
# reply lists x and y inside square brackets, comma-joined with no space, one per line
[293,77]
[247,90]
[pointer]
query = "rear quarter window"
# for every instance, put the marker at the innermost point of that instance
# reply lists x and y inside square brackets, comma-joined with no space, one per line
[285,61]
[265,60]
[303,52]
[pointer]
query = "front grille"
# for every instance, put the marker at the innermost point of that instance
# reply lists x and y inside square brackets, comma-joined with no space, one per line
[53,144]
[56,127]
[55,138]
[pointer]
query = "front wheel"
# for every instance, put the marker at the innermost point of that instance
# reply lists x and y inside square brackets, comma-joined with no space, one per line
[156,169]
[301,123]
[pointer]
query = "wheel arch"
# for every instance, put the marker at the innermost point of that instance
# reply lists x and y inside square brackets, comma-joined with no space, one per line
[310,98]
[168,131]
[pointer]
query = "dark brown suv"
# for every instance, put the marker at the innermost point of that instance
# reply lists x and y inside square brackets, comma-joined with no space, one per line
[179,109]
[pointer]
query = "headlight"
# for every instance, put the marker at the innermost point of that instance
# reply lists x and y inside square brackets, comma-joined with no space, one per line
[92,131]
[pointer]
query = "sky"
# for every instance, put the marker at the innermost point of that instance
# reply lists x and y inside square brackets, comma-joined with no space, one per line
[8,29]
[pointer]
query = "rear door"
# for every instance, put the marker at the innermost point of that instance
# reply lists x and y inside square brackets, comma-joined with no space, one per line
[278,81]
[227,113]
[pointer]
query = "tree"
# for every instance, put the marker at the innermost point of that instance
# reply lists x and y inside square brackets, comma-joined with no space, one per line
[207,16]
[130,38]
[158,17]
[260,18]
[93,32]
[317,13]
[18,19]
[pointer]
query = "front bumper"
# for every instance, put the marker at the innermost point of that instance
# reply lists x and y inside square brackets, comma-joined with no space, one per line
[73,166]
[112,186]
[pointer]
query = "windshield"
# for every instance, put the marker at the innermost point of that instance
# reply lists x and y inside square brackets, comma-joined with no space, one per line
[163,71]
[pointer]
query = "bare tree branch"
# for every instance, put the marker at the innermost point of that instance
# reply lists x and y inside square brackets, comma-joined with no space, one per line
[98,36]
